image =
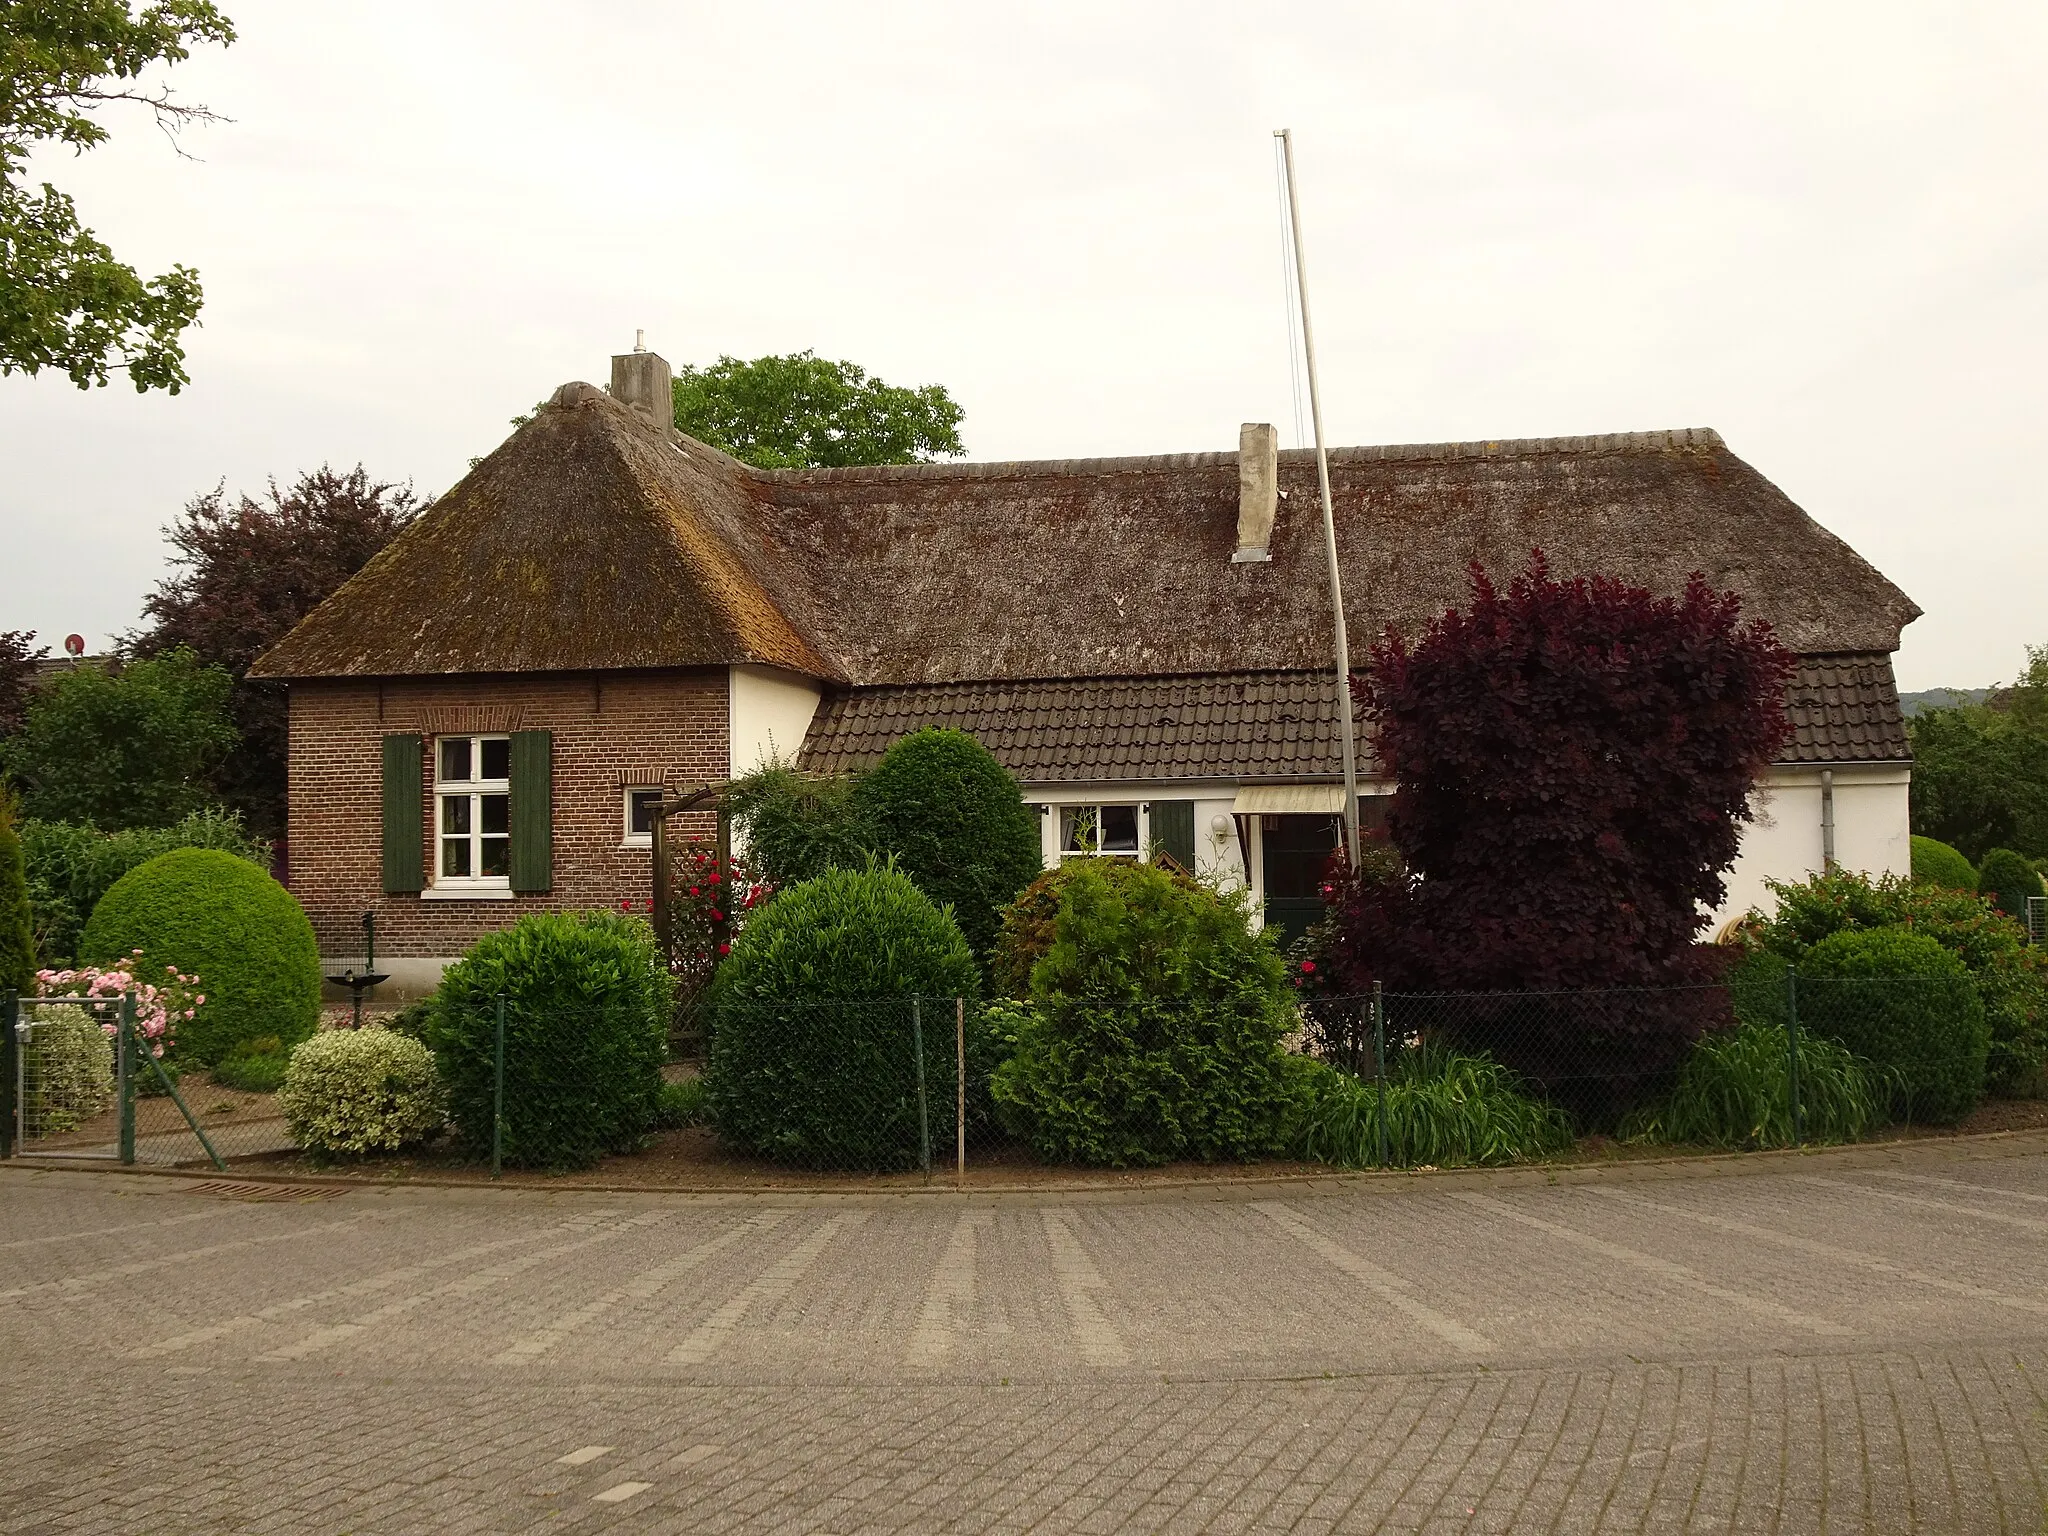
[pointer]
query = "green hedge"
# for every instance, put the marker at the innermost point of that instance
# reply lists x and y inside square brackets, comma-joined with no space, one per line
[17,938]
[1906,1005]
[222,919]
[587,1002]
[812,1057]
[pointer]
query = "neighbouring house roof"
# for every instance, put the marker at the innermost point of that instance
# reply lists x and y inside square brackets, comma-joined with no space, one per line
[590,540]
[1252,725]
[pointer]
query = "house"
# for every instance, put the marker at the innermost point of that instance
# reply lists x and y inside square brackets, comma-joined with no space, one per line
[480,718]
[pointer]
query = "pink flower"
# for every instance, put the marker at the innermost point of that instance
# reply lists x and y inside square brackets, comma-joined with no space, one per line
[199,1001]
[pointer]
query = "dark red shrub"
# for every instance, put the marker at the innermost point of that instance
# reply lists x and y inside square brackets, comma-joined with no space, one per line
[1574,761]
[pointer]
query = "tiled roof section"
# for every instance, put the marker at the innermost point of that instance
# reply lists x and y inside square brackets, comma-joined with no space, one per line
[1230,725]
[1251,725]
[1845,709]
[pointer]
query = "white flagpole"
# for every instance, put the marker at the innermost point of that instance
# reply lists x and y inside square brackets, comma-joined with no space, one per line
[1315,406]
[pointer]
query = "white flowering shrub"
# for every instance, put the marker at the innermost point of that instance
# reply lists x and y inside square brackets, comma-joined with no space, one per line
[351,1091]
[68,1069]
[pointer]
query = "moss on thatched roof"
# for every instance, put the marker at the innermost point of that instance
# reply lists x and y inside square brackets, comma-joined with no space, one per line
[592,540]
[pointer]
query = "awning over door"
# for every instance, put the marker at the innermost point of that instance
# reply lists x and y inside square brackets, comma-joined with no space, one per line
[1289,800]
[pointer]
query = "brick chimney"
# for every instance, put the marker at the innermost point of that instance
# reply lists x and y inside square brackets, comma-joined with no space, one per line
[1258,490]
[642,380]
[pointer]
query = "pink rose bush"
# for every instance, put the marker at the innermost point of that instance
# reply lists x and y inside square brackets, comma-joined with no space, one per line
[159,1005]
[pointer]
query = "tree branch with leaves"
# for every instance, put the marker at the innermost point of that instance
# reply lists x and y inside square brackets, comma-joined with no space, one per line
[65,301]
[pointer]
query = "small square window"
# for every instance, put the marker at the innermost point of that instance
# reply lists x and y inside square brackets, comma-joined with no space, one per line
[455,756]
[496,752]
[641,805]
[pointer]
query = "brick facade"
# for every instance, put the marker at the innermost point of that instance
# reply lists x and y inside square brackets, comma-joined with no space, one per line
[610,730]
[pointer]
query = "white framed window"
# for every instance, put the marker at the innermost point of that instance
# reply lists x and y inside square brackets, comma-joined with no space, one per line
[640,806]
[1102,831]
[473,813]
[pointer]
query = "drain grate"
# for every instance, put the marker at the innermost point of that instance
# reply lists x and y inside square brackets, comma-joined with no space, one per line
[229,1189]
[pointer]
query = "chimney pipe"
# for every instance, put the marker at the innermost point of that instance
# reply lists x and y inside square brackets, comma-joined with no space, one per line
[641,379]
[1258,490]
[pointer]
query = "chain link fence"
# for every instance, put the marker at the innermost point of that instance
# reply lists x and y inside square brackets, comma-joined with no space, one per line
[903,1085]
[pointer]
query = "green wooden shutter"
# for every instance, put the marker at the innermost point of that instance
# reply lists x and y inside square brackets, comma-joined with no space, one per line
[533,811]
[403,833]
[1173,831]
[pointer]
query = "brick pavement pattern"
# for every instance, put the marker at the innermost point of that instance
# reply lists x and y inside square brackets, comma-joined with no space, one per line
[1822,1344]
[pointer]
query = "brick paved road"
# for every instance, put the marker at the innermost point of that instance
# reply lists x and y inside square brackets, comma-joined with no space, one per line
[1845,1342]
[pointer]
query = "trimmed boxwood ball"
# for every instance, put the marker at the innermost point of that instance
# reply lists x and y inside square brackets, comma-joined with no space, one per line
[587,1001]
[812,1059]
[221,919]
[347,1092]
[955,822]
[2008,880]
[1908,1006]
[1936,863]
[1154,1029]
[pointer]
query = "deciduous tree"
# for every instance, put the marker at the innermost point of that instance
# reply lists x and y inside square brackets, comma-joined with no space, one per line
[246,571]
[803,411]
[65,302]
[17,675]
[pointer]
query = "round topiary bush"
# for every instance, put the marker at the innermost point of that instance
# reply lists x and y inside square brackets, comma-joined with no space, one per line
[220,918]
[1154,1029]
[587,1000]
[1908,1006]
[351,1091]
[1937,863]
[2007,879]
[955,822]
[813,1056]
[1027,924]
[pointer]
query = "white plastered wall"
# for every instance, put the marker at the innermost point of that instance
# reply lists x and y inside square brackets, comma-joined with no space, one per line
[768,712]
[1872,831]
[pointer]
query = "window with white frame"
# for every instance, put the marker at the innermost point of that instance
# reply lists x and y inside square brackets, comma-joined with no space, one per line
[473,812]
[641,805]
[1101,831]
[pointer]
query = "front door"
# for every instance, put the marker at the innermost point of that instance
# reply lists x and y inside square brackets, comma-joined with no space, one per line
[1297,850]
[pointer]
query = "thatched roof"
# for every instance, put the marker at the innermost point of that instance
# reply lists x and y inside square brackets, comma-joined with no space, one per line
[590,540]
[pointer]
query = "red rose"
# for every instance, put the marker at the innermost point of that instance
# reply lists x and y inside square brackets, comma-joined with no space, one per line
[725,949]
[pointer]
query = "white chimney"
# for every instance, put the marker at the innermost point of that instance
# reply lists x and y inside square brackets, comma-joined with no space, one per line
[641,379]
[1258,490]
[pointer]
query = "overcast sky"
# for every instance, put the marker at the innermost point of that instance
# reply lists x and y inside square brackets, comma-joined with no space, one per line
[1820,228]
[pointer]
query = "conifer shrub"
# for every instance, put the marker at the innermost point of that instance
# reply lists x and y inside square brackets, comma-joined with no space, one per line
[2006,880]
[587,1003]
[1937,863]
[347,1092]
[954,821]
[1154,1029]
[17,942]
[813,1057]
[225,921]
[1902,1002]
[1025,929]
[797,827]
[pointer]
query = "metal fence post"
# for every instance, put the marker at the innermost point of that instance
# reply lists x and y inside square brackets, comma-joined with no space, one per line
[1792,1054]
[924,1117]
[960,1109]
[1379,1072]
[498,1091]
[124,1069]
[10,1070]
